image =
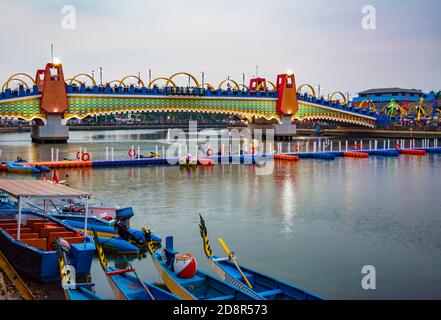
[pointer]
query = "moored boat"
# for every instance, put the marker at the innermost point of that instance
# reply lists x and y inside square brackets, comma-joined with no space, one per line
[248,280]
[72,289]
[15,167]
[28,238]
[182,277]
[188,161]
[127,286]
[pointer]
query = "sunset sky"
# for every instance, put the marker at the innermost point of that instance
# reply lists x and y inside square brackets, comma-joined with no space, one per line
[321,41]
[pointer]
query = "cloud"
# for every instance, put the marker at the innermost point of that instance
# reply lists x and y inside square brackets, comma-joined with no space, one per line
[322,41]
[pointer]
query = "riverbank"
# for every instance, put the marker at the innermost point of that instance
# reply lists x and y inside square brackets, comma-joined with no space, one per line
[342,132]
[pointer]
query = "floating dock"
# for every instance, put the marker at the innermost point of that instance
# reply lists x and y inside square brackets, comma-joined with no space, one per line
[235,159]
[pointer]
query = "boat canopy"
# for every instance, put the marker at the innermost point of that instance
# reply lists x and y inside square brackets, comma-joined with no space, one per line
[39,189]
[24,190]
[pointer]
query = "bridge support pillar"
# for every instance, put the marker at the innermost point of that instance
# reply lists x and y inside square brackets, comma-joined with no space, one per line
[282,129]
[54,131]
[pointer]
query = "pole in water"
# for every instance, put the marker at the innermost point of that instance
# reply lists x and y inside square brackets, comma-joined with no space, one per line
[347,145]
[339,146]
[139,153]
[56,154]
[107,153]
[52,154]
[112,154]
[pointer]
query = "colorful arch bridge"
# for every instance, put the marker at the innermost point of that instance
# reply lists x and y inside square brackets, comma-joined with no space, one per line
[54,100]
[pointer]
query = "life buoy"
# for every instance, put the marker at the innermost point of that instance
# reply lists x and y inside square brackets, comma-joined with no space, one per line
[79,155]
[397,146]
[357,146]
[131,153]
[209,152]
[85,156]
[297,148]
[253,150]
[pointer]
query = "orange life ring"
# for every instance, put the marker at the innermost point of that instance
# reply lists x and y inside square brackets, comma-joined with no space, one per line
[131,153]
[85,156]
[357,146]
[79,155]
[209,152]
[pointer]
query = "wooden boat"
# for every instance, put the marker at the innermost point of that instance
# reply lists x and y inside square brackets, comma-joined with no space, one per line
[72,289]
[126,286]
[205,162]
[115,237]
[15,167]
[181,276]
[28,238]
[151,155]
[247,280]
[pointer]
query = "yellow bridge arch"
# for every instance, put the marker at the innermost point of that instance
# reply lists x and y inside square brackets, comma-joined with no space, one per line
[227,81]
[73,79]
[121,82]
[345,99]
[368,103]
[14,78]
[184,74]
[167,81]
[299,89]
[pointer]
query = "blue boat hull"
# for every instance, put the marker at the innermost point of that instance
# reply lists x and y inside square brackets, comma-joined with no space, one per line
[108,237]
[38,264]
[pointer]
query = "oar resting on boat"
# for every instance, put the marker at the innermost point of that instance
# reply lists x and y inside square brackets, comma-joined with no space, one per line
[127,286]
[72,289]
[248,280]
[181,276]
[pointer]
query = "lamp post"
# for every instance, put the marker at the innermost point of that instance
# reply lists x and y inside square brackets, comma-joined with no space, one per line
[101,76]
[203,79]
[150,76]
[243,79]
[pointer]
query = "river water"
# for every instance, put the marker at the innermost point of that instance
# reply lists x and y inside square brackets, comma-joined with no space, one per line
[314,223]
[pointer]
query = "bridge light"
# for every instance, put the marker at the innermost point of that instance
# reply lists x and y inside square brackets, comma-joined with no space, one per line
[289,72]
[57,62]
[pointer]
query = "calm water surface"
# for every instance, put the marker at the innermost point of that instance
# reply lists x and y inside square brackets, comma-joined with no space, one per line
[314,223]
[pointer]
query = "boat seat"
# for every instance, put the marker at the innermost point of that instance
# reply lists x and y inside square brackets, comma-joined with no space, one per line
[30,223]
[8,221]
[15,230]
[6,226]
[36,243]
[26,235]
[36,227]
[53,236]
[270,292]
[45,230]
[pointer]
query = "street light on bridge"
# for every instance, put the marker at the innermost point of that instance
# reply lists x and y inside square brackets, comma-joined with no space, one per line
[101,76]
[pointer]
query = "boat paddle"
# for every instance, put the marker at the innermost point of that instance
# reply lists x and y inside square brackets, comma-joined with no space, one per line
[233,258]
[140,281]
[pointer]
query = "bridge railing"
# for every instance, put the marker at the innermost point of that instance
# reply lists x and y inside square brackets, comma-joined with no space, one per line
[20,92]
[166,91]
[335,104]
